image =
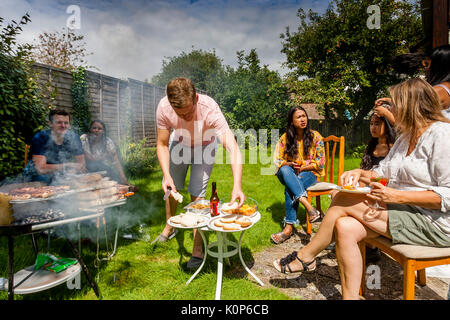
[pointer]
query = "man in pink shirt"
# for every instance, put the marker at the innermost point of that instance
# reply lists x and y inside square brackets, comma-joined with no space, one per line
[196,121]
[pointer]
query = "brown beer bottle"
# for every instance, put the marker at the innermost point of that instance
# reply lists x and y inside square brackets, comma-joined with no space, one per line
[214,201]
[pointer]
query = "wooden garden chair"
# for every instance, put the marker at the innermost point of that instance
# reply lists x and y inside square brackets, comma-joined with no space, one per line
[412,258]
[325,186]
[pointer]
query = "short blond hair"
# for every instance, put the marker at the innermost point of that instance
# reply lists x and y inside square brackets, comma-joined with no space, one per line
[415,105]
[180,92]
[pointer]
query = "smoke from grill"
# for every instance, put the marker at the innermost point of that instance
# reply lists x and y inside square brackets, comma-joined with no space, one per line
[84,194]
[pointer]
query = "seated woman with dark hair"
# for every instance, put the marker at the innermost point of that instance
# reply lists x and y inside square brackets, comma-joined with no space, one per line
[438,75]
[100,153]
[299,158]
[383,138]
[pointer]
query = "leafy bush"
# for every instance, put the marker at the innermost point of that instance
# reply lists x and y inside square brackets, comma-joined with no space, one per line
[137,159]
[81,104]
[22,112]
[358,151]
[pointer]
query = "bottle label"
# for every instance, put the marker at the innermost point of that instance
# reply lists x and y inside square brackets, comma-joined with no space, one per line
[213,209]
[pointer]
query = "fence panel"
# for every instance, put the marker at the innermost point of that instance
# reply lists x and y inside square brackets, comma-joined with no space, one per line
[127,107]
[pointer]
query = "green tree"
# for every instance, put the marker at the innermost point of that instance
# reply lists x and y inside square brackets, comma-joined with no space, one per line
[251,96]
[337,61]
[21,110]
[198,65]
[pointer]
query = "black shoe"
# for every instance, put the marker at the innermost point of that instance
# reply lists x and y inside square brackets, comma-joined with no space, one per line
[373,255]
[194,263]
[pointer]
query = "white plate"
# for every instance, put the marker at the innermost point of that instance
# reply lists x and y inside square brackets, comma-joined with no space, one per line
[180,226]
[213,227]
[361,190]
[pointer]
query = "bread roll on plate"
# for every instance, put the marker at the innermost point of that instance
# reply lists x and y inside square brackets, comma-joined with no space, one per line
[228,219]
[231,226]
[229,207]
[244,222]
[176,219]
[218,223]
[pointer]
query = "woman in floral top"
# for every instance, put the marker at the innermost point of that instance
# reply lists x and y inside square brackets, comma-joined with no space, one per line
[299,159]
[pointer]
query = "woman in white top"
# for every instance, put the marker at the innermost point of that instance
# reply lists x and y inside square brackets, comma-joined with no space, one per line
[415,206]
[100,153]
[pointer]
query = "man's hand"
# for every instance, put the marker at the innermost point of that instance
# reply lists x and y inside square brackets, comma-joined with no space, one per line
[237,194]
[168,183]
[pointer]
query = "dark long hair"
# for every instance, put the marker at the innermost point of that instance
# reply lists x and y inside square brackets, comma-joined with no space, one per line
[366,161]
[291,134]
[104,135]
[439,70]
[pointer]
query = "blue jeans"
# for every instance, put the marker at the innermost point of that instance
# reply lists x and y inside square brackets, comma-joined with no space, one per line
[295,187]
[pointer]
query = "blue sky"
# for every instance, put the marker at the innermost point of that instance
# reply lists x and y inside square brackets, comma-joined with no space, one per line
[131,38]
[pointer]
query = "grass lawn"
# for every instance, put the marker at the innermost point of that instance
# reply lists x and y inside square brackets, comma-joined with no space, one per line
[140,271]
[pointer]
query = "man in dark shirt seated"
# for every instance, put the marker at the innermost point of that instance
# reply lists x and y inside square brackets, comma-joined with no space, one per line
[55,150]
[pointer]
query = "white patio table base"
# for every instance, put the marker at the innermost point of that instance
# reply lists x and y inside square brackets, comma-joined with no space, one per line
[222,252]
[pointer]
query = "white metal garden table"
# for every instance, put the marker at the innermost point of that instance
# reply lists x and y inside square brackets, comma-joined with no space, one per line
[222,252]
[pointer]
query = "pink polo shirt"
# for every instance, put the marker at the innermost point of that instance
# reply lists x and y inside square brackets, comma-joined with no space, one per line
[208,122]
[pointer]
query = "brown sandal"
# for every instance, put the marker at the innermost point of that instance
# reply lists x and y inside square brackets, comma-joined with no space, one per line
[282,264]
[282,237]
[313,215]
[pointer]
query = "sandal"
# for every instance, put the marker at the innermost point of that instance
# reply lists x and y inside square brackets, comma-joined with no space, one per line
[282,264]
[163,238]
[313,215]
[281,236]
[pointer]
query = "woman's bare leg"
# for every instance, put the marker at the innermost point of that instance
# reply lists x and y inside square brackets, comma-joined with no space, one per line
[344,204]
[348,232]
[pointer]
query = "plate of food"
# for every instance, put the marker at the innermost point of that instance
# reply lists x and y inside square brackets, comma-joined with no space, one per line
[188,221]
[249,208]
[198,207]
[352,189]
[230,223]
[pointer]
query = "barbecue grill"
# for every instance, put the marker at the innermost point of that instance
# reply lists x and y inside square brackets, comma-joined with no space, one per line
[34,215]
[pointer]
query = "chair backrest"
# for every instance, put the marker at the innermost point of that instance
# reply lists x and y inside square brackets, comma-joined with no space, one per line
[330,156]
[27,148]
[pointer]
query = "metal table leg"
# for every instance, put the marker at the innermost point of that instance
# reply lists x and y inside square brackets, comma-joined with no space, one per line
[219,264]
[83,266]
[243,263]
[116,235]
[204,257]
[35,245]
[10,267]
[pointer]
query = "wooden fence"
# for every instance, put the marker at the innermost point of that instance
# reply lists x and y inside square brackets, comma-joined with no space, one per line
[121,104]
[334,127]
